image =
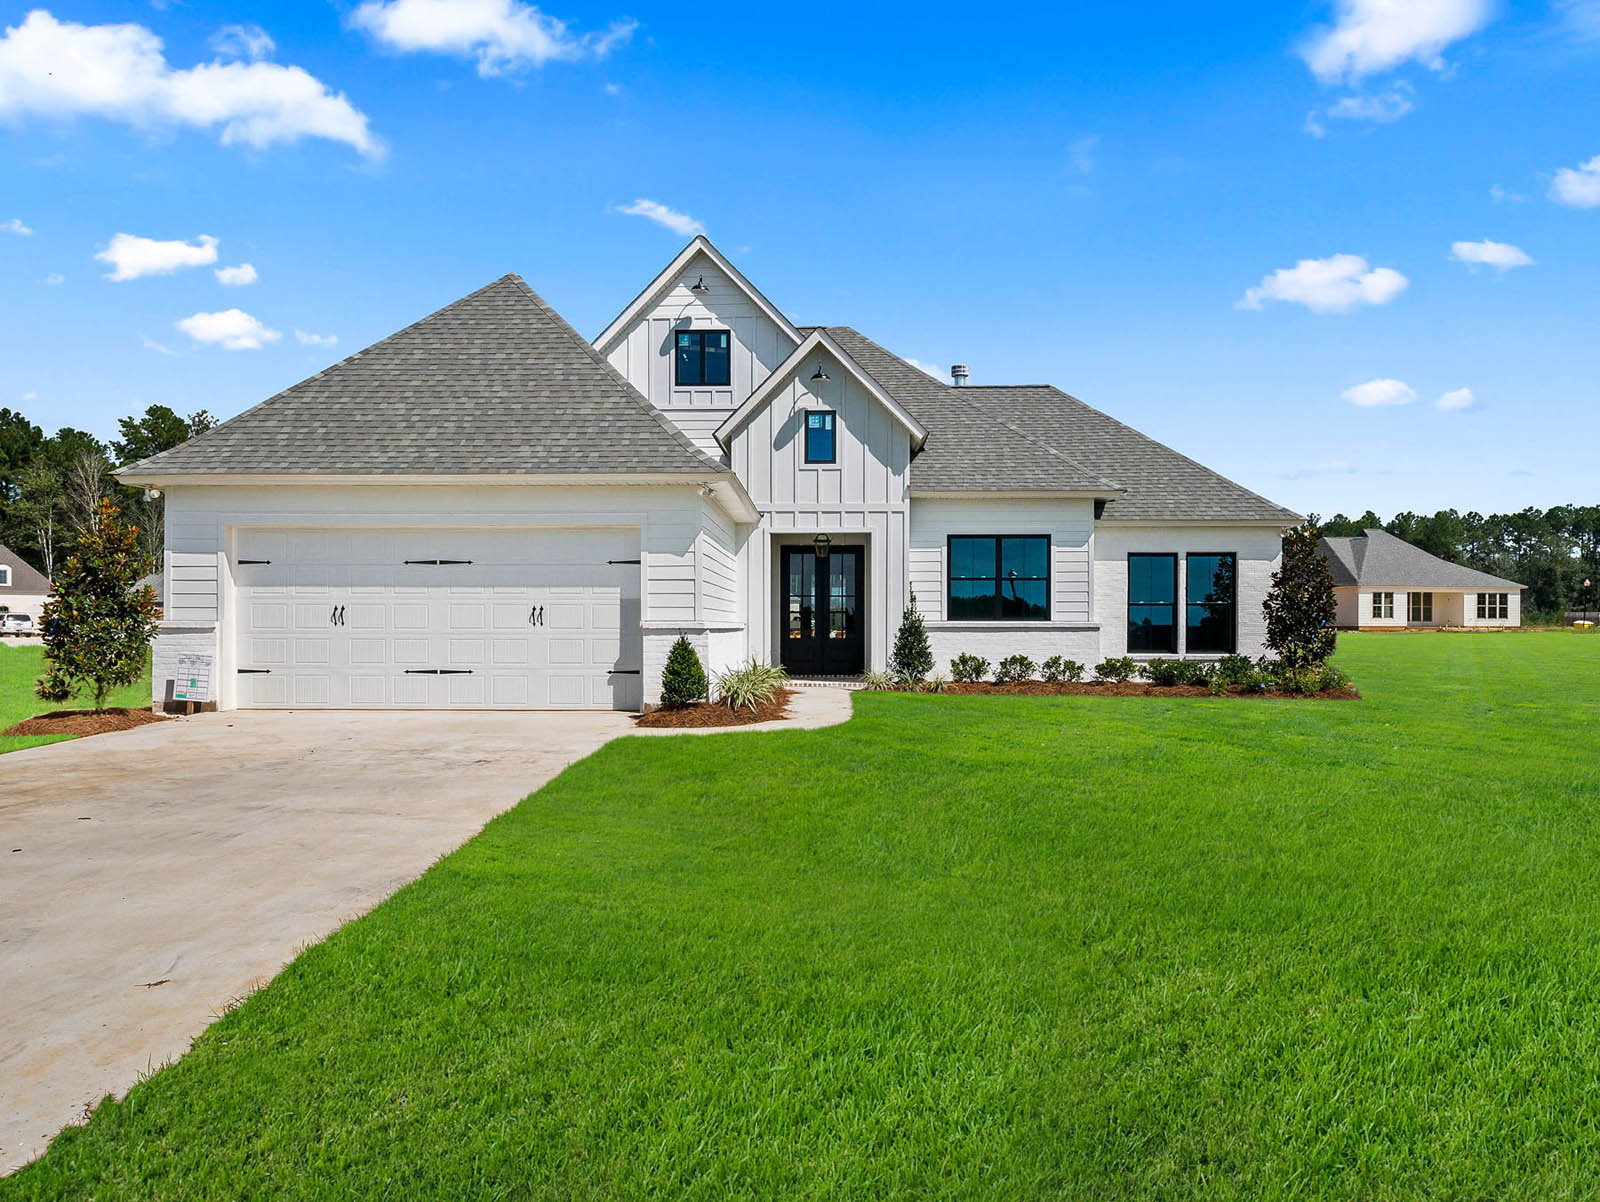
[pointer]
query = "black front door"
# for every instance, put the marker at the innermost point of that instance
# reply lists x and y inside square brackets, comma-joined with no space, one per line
[820,612]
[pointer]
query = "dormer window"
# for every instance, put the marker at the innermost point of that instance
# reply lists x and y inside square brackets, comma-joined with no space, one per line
[820,445]
[701,359]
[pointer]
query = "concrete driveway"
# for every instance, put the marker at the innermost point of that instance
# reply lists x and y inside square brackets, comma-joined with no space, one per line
[149,877]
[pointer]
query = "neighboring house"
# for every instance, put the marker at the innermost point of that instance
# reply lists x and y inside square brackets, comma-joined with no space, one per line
[485,510]
[157,581]
[23,588]
[1381,582]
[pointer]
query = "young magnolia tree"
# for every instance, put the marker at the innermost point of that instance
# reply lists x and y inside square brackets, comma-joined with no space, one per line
[98,622]
[1300,607]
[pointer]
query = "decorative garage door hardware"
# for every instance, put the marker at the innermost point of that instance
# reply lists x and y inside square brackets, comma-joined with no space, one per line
[255,671]
[336,618]
[242,562]
[439,561]
[622,561]
[536,616]
[626,672]
[438,671]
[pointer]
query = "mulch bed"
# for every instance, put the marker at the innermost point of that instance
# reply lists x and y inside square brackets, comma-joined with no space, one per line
[703,713]
[84,722]
[1133,688]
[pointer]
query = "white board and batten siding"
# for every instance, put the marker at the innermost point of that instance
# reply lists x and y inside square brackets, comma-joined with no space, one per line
[1069,525]
[644,352]
[1260,552]
[860,498]
[664,526]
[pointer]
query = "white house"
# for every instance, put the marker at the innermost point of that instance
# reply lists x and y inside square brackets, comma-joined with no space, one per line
[484,510]
[1381,582]
[23,588]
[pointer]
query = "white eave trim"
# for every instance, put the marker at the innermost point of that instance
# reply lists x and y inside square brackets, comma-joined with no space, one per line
[1015,494]
[819,339]
[699,245]
[1153,523]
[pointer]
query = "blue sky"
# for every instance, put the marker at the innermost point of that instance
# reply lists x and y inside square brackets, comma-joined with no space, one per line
[1224,224]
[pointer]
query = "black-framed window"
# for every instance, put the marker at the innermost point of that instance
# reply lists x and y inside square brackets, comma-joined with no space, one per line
[1383,605]
[1210,603]
[1153,603]
[1419,607]
[1494,607]
[999,578]
[820,444]
[700,357]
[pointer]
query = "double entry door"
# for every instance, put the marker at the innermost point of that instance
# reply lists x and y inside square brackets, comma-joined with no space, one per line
[821,610]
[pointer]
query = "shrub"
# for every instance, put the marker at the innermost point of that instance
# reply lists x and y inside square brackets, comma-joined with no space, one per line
[1120,669]
[1071,670]
[912,658]
[968,668]
[1299,682]
[98,622]
[880,682]
[750,685]
[1300,607]
[683,680]
[1013,668]
[1233,669]
[1050,669]
[1330,679]
[935,683]
[1171,672]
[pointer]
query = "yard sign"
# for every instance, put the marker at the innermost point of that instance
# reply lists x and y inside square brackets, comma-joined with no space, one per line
[194,679]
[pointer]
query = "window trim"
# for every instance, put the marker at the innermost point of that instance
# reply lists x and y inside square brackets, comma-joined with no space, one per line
[5,575]
[1383,609]
[1497,610]
[950,575]
[1233,634]
[833,434]
[1177,600]
[1426,609]
[677,330]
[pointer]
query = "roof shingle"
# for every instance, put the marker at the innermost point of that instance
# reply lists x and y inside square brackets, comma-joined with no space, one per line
[1376,557]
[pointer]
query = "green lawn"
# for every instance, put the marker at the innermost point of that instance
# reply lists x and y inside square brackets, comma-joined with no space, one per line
[20,668]
[987,948]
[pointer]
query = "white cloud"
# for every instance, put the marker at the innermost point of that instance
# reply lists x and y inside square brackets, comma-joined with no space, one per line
[131,256]
[1375,393]
[60,69]
[1383,108]
[243,41]
[150,344]
[1370,36]
[236,277]
[55,278]
[1081,154]
[681,224]
[234,329]
[1581,18]
[937,373]
[1330,285]
[30,396]
[1331,467]
[613,89]
[306,339]
[1578,186]
[1490,254]
[1501,196]
[503,35]
[15,226]
[1460,398]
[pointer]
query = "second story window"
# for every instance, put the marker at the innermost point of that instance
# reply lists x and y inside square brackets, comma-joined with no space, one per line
[701,358]
[819,437]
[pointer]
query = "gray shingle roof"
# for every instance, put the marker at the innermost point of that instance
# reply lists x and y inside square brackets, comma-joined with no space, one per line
[495,384]
[1377,557]
[1036,437]
[25,578]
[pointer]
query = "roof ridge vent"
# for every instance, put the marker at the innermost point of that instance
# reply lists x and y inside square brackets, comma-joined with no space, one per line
[958,374]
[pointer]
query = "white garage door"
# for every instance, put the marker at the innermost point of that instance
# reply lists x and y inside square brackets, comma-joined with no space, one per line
[438,619]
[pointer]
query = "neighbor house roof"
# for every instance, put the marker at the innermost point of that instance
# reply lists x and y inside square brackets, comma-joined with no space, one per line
[1376,557]
[1037,438]
[25,578]
[495,384]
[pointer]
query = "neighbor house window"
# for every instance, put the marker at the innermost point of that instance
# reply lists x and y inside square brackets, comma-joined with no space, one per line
[702,357]
[1494,606]
[1153,603]
[819,437]
[1420,607]
[5,576]
[997,578]
[1383,605]
[1209,603]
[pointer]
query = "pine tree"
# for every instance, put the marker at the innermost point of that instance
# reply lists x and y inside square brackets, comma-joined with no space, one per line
[683,680]
[912,658]
[98,622]
[1300,608]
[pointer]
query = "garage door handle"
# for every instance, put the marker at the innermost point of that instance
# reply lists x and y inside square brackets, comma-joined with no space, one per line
[438,671]
[536,616]
[336,618]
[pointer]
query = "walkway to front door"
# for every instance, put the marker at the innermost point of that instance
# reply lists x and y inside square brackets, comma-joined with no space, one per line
[820,610]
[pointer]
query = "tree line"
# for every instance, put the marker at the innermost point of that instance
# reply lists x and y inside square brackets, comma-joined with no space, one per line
[52,486]
[1551,551]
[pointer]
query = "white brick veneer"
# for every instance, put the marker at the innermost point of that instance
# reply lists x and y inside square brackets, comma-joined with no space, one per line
[172,640]
[996,640]
[718,649]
